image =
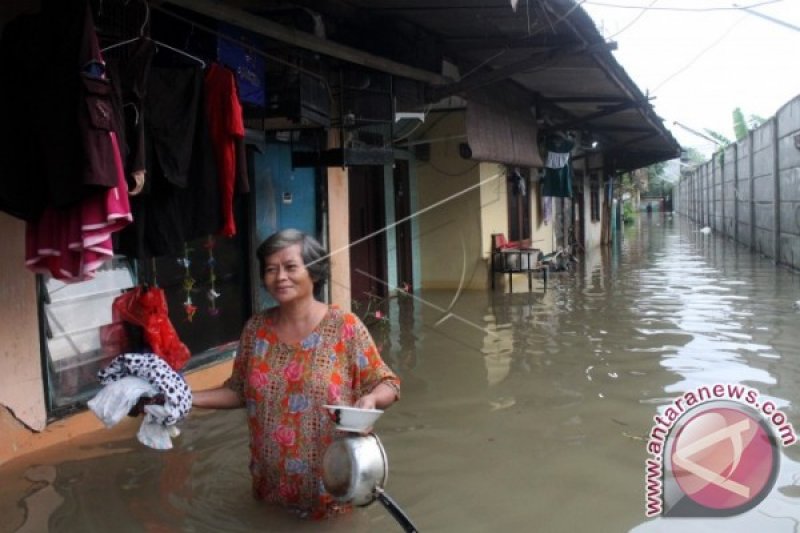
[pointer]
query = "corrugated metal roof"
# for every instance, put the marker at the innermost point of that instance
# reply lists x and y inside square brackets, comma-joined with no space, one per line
[553,51]
[548,54]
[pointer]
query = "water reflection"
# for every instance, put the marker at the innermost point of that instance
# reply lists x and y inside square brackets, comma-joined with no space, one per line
[526,412]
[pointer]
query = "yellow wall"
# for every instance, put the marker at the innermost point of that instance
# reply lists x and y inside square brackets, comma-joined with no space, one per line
[450,233]
[494,204]
[470,217]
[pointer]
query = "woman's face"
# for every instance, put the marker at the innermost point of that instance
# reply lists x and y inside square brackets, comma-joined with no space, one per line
[286,277]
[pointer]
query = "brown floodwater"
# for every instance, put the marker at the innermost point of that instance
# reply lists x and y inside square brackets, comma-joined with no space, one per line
[521,412]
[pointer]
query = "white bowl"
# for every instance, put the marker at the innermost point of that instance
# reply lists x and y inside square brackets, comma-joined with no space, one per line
[353,418]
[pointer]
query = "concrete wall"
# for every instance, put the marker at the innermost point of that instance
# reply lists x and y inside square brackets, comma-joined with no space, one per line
[751,190]
[450,201]
[788,156]
[20,356]
[463,202]
[744,194]
[494,204]
[727,176]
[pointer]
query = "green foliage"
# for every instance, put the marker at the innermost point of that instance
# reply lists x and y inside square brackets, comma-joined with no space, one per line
[740,128]
[628,212]
[717,136]
[692,156]
[627,183]
[656,170]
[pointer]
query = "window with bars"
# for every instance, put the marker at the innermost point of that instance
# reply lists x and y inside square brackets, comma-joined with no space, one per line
[208,293]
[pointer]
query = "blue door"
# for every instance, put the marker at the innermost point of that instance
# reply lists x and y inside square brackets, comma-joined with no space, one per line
[284,197]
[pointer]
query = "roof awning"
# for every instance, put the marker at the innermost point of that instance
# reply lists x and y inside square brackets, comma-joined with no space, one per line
[551,55]
[502,135]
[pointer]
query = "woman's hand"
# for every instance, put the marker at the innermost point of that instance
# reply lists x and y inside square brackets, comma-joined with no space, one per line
[367,401]
[380,397]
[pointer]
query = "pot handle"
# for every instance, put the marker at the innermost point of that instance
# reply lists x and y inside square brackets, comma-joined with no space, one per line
[395,511]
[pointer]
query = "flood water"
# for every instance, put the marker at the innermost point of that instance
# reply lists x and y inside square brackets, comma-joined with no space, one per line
[521,412]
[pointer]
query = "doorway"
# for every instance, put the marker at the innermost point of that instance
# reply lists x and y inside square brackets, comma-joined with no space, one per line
[402,210]
[367,256]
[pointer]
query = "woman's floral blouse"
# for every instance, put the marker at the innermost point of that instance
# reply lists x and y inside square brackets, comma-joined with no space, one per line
[284,387]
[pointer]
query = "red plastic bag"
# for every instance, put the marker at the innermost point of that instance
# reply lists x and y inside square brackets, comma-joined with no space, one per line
[147,307]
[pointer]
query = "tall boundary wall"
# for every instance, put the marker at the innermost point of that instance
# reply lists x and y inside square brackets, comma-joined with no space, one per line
[750,191]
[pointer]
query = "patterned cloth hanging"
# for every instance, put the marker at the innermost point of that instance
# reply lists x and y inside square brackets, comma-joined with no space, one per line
[558,170]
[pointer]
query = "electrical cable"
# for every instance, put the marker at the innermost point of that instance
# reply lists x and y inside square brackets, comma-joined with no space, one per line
[635,19]
[504,50]
[701,54]
[683,9]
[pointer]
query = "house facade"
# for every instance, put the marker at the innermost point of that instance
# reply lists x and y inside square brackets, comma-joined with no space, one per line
[404,137]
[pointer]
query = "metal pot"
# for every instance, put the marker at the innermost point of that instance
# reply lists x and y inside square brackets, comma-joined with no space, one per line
[355,470]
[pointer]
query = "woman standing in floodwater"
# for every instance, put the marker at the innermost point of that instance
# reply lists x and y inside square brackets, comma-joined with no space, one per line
[293,359]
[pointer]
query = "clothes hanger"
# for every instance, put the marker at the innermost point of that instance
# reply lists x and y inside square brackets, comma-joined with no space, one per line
[154,41]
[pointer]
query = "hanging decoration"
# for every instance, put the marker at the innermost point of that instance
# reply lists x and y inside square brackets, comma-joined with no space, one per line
[212,293]
[188,282]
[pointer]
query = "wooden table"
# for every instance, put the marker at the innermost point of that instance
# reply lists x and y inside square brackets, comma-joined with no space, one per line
[515,261]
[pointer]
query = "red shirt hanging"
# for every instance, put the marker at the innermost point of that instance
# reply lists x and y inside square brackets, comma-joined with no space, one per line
[226,127]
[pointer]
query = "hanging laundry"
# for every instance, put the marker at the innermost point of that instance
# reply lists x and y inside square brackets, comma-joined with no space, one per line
[180,201]
[247,66]
[147,307]
[133,377]
[56,115]
[70,241]
[227,127]
[129,80]
[557,179]
[547,209]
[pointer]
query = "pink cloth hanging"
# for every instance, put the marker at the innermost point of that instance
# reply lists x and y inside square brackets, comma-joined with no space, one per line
[71,244]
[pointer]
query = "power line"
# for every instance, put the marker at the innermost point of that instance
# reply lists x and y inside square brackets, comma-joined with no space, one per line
[698,56]
[635,19]
[683,9]
[771,19]
[694,131]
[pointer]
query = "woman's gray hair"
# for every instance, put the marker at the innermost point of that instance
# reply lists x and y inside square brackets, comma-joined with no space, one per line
[315,257]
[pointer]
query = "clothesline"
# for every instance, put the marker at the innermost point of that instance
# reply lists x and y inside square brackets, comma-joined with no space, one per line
[247,46]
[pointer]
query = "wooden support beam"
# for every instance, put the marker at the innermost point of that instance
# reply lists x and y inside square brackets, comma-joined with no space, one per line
[307,41]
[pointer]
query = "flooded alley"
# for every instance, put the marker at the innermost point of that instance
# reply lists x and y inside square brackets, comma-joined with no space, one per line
[520,412]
